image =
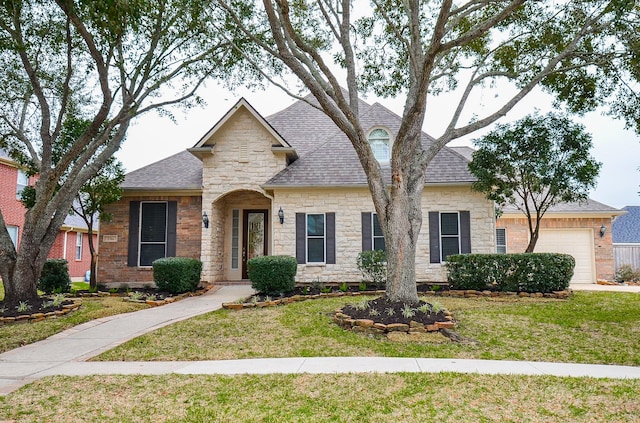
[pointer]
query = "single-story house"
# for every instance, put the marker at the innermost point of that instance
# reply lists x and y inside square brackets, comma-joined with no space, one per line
[285,184]
[626,238]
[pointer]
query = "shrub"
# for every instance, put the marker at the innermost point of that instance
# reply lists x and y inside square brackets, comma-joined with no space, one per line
[272,274]
[625,273]
[177,274]
[537,272]
[55,277]
[373,265]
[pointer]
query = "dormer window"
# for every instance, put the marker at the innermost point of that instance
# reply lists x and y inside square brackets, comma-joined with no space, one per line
[380,143]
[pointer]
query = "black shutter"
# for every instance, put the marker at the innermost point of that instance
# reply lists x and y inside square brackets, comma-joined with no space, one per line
[366,231]
[331,238]
[465,232]
[301,238]
[134,225]
[172,215]
[434,237]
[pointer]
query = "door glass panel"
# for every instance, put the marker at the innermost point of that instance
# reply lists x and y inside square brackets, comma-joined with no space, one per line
[255,235]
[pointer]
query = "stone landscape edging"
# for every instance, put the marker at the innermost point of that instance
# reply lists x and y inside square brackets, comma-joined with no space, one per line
[38,317]
[469,293]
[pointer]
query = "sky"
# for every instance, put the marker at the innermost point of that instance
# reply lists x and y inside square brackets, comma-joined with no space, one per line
[152,137]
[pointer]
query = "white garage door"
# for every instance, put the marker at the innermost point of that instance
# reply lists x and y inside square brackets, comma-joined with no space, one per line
[576,242]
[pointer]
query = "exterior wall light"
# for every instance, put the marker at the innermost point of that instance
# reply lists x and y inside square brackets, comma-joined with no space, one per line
[205,219]
[281,215]
[603,230]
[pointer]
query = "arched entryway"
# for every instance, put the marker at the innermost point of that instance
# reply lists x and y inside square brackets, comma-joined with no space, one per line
[240,229]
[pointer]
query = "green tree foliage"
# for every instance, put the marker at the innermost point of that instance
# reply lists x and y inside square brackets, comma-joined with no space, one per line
[419,49]
[101,63]
[533,164]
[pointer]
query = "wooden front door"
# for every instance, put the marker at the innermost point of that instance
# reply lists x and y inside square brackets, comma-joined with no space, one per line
[254,240]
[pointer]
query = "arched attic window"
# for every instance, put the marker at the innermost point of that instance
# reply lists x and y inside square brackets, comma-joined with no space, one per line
[380,143]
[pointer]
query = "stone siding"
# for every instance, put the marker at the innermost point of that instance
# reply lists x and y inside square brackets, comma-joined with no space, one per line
[349,203]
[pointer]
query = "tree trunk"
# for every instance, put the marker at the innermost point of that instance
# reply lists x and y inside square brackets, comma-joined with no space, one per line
[92,268]
[534,234]
[403,228]
[22,283]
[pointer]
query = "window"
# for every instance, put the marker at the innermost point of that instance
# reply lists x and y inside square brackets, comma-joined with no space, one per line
[153,232]
[449,234]
[23,181]
[379,142]
[376,234]
[501,241]
[315,238]
[13,234]
[235,238]
[78,245]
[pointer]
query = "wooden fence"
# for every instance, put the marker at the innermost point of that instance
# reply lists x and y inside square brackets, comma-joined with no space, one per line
[626,254]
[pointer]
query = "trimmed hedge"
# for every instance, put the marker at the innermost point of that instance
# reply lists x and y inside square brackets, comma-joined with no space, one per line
[532,272]
[55,277]
[272,274]
[177,274]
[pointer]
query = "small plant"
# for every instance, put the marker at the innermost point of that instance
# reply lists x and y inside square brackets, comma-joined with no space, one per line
[47,304]
[113,291]
[316,284]
[93,289]
[151,297]
[325,289]
[374,312]
[390,311]
[135,296]
[58,299]
[373,265]
[361,305]
[625,273]
[23,306]
[362,286]
[3,309]
[408,312]
[305,290]
[425,308]
[436,307]
[343,287]
[267,299]
[435,288]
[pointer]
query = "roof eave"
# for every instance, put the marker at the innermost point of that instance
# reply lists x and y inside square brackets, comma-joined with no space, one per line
[178,192]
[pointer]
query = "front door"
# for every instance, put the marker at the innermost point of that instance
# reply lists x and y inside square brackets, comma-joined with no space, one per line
[254,242]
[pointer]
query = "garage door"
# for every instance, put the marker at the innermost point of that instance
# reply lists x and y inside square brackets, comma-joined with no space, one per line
[576,242]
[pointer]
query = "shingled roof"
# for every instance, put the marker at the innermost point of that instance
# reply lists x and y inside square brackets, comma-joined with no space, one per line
[587,206]
[626,229]
[325,155]
[182,171]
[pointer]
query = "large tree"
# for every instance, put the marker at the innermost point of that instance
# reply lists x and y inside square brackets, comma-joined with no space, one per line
[105,62]
[338,49]
[533,164]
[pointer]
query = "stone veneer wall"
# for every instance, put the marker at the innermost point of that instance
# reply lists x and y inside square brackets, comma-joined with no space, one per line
[349,203]
[241,160]
[112,256]
[518,237]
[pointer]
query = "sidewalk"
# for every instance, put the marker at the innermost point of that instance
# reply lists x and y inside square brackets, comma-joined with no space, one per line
[64,353]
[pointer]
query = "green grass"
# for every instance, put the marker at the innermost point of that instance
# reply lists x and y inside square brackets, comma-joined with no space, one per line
[444,397]
[17,335]
[589,328]
[79,286]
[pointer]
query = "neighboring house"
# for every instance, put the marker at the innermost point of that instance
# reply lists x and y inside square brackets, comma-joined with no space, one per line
[626,238]
[71,243]
[248,172]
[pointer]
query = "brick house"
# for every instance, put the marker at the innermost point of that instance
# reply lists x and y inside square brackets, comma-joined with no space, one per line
[288,184]
[71,243]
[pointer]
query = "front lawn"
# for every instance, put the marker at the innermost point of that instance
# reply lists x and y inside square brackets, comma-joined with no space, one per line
[408,398]
[591,327]
[18,334]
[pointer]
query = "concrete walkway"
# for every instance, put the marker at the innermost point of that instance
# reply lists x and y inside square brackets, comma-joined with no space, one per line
[66,352]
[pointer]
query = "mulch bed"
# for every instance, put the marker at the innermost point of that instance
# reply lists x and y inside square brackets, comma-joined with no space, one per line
[382,310]
[31,306]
